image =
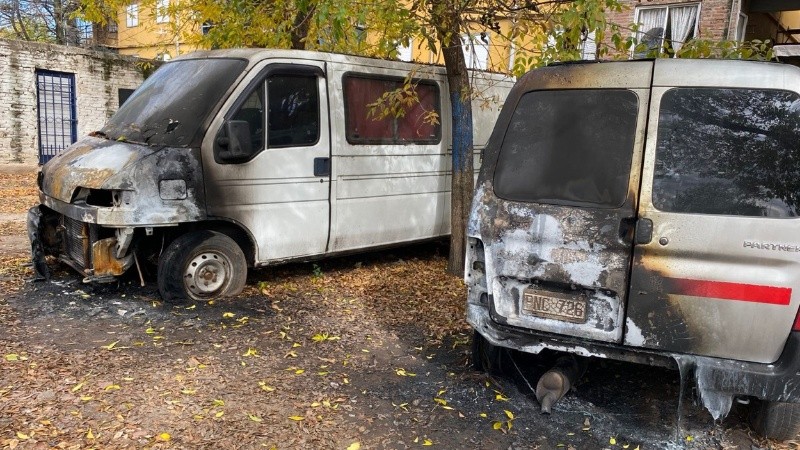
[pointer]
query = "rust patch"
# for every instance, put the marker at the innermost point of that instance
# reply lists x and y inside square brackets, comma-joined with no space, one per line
[103,259]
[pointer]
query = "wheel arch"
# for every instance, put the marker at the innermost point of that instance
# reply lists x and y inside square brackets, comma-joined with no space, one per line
[234,230]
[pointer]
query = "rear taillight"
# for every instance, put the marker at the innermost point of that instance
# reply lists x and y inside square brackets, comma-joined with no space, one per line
[796,326]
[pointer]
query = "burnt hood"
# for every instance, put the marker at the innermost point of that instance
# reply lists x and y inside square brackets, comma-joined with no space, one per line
[92,163]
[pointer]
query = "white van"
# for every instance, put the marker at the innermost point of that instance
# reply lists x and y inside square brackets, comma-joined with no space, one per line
[648,211]
[228,159]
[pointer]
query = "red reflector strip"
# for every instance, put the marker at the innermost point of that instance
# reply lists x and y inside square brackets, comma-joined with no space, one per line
[729,291]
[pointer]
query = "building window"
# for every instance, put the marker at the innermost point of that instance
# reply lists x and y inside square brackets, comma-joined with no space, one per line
[404,52]
[206,27]
[665,27]
[132,15]
[162,11]
[476,50]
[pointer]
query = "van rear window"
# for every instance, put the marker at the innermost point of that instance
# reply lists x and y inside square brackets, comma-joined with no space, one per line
[728,151]
[569,147]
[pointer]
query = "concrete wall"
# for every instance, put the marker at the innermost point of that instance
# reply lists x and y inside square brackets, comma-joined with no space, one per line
[98,78]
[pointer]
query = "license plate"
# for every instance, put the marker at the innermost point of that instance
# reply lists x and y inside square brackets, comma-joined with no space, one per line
[555,305]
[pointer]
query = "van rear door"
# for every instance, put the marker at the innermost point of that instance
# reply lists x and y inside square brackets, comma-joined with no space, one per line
[565,183]
[720,272]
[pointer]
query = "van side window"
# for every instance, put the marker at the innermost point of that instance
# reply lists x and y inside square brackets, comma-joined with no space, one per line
[569,147]
[293,117]
[252,112]
[410,128]
[728,151]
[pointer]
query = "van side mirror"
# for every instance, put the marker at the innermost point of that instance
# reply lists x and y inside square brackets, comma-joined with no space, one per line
[236,144]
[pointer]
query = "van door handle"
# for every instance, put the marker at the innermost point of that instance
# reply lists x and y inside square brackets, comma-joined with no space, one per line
[644,232]
[322,167]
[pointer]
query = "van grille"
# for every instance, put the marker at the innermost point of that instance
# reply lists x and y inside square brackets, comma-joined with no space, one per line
[77,241]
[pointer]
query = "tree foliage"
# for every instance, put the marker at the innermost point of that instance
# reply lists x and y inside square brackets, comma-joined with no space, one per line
[40,20]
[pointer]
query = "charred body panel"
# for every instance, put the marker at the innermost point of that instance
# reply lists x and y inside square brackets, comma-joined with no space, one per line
[100,198]
[689,274]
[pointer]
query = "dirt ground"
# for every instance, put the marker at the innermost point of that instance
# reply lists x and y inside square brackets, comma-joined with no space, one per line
[369,351]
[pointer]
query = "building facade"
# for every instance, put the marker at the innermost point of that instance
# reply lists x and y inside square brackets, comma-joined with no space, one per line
[54,94]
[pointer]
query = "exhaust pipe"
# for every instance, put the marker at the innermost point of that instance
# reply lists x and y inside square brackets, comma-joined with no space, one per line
[556,382]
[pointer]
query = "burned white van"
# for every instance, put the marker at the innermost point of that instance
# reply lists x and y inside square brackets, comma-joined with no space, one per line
[227,159]
[648,211]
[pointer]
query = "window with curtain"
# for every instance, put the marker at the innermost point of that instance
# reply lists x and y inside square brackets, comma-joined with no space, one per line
[476,51]
[665,28]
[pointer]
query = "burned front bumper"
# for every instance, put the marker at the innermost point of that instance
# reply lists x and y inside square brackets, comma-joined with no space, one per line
[718,380]
[74,237]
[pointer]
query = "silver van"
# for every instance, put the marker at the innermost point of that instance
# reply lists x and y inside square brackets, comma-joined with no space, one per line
[227,159]
[648,211]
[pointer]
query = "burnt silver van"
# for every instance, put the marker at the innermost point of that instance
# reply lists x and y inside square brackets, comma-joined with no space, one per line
[234,158]
[648,211]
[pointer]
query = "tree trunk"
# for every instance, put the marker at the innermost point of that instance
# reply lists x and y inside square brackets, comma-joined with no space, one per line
[302,23]
[448,30]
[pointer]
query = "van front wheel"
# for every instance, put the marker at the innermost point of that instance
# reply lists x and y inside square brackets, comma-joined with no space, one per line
[775,420]
[201,265]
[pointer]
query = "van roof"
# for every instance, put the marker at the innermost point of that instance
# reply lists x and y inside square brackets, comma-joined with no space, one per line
[255,55]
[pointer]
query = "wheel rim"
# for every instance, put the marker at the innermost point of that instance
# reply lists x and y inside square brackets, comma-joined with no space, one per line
[207,274]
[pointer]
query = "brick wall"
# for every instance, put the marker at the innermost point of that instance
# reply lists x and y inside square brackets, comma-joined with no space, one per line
[98,78]
[715,15]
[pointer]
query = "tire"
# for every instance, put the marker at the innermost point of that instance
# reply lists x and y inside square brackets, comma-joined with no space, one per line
[485,356]
[211,257]
[775,420]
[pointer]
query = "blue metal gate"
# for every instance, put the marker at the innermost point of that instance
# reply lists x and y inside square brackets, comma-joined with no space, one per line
[58,124]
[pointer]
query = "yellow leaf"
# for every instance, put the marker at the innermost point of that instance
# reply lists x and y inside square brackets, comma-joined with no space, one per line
[228,315]
[219,414]
[77,387]
[689,438]
[163,437]
[112,387]
[316,405]
[218,403]
[345,381]
[299,371]
[295,345]
[86,398]
[254,418]
[89,434]
[612,441]
[110,346]
[297,418]
[509,414]
[291,354]
[191,307]
[501,397]
[427,443]
[440,401]
[509,424]
[354,446]
[559,445]
[497,425]
[188,391]
[403,373]
[265,387]
[12,357]
[322,374]
[483,415]
[251,352]
[447,407]
[22,435]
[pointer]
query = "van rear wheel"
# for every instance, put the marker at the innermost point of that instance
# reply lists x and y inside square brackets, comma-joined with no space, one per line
[485,356]
[201,265]
[775,420]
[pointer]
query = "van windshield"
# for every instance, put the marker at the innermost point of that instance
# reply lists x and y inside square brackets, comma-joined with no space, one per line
[172,105]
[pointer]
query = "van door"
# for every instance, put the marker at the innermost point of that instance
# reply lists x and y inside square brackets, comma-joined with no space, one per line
[717,270]
[280,191]
[566,178]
